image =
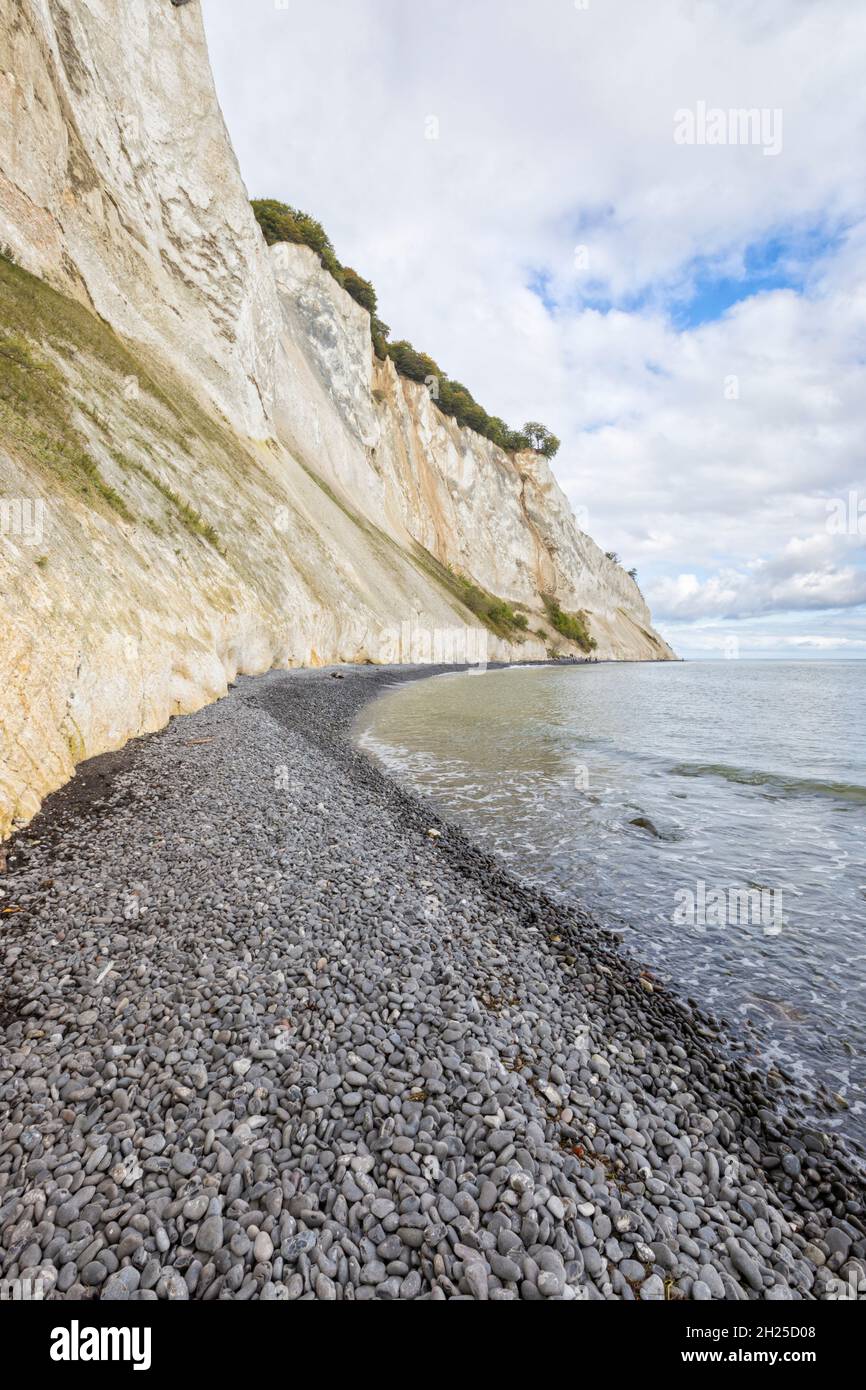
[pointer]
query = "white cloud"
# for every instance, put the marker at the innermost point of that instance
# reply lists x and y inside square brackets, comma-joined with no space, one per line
[715,643]
[805,575]
[556,130]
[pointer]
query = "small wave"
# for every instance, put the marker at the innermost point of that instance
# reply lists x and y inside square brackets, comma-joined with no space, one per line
[775,781]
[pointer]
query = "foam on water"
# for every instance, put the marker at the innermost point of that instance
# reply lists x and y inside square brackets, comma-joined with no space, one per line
[623,787]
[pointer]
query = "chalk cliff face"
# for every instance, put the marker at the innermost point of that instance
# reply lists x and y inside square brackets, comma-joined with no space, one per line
[204,470]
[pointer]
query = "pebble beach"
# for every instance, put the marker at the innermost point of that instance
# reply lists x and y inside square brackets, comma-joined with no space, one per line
[269,1029]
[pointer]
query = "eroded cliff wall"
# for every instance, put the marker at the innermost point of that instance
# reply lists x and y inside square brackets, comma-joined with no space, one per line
[203,468]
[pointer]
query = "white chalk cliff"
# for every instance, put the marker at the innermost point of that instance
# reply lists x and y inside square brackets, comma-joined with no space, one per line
[204,470]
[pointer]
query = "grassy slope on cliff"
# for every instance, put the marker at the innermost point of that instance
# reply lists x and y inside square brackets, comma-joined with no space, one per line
[63,432]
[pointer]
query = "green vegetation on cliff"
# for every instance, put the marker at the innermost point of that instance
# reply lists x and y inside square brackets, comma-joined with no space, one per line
[569,625]
[502,618]
[42,417]
[279,222]
[36,416]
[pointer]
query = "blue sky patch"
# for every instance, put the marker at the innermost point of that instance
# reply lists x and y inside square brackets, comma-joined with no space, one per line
[783,261]
[708,286]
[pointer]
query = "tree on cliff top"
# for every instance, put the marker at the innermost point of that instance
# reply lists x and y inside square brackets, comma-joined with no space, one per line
[279,222]
[541,439]
[412,363]
[360,289]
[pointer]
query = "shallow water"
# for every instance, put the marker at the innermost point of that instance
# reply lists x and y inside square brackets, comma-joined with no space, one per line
[665,798]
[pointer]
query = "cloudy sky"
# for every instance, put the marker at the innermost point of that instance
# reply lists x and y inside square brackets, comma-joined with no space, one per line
[554,201]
